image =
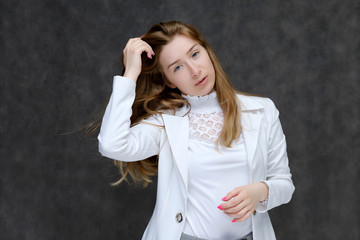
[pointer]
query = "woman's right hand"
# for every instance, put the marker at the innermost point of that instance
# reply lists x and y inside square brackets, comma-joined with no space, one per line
[132,57]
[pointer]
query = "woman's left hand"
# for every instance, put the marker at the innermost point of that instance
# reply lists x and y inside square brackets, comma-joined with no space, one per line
[241,202]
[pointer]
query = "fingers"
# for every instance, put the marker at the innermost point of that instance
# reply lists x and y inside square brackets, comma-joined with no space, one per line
[240,213]
[138,46]
[243,218]
[231,194]
[132,56]
[237,208]
[238,204]
[234,198]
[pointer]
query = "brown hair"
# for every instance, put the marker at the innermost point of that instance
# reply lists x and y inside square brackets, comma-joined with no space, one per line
[153,95]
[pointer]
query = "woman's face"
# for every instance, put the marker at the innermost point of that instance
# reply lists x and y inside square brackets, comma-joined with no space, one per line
[187,66]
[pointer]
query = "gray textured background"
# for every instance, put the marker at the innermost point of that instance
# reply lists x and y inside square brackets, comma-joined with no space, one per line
[57,61]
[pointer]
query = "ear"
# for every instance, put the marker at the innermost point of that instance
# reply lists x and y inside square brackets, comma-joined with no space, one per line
[170,85]
[167,82]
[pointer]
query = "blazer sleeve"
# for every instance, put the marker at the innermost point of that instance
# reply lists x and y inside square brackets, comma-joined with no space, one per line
[119,141]
[278,177]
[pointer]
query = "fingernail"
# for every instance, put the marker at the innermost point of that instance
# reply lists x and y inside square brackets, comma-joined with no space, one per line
[233,220]
[220,207]
[223,199]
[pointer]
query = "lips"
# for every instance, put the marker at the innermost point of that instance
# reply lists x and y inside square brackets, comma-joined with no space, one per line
[202,81]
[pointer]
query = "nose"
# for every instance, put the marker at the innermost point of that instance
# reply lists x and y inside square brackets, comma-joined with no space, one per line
[194,69]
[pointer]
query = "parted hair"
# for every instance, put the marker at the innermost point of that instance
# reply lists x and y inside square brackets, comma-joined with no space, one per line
[153,95]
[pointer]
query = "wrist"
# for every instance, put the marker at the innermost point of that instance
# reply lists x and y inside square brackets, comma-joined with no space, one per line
[264,191]
[131,75]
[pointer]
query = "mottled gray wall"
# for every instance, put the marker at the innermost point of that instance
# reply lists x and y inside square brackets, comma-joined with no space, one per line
[57,61]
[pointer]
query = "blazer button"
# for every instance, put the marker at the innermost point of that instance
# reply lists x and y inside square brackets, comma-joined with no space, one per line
[179,217]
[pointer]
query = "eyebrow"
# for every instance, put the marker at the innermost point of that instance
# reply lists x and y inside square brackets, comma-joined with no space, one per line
[186,53]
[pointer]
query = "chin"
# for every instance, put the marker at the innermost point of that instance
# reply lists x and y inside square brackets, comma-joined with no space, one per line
[209,91]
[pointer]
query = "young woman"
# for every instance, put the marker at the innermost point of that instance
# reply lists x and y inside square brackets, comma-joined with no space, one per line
[220,156]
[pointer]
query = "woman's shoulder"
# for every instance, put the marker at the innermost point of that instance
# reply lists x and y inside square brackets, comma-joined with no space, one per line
[254,102]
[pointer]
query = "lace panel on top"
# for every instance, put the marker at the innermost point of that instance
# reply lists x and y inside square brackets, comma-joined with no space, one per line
[206,126]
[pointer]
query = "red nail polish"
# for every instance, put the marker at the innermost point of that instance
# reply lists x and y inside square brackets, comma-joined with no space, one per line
[223,199]
[220,207]
[233,220]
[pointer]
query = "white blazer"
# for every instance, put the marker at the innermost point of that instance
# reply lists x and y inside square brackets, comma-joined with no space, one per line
[264,141]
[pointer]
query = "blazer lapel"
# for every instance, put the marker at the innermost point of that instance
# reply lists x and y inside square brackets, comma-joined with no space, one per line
[251,126]
[251,119]
[177,130]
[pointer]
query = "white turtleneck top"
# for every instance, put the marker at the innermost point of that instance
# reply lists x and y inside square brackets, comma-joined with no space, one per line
[212,173]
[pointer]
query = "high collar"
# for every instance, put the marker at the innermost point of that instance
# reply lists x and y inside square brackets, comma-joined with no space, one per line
[247,103]
[206,103]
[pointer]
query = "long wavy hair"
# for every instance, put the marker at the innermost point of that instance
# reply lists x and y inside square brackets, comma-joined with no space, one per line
[153,95]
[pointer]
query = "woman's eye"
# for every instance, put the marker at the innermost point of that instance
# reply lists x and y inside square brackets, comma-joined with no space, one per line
[176,68]
[195,54]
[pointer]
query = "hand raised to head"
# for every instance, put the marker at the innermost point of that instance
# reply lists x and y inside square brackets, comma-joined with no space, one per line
[132,57]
